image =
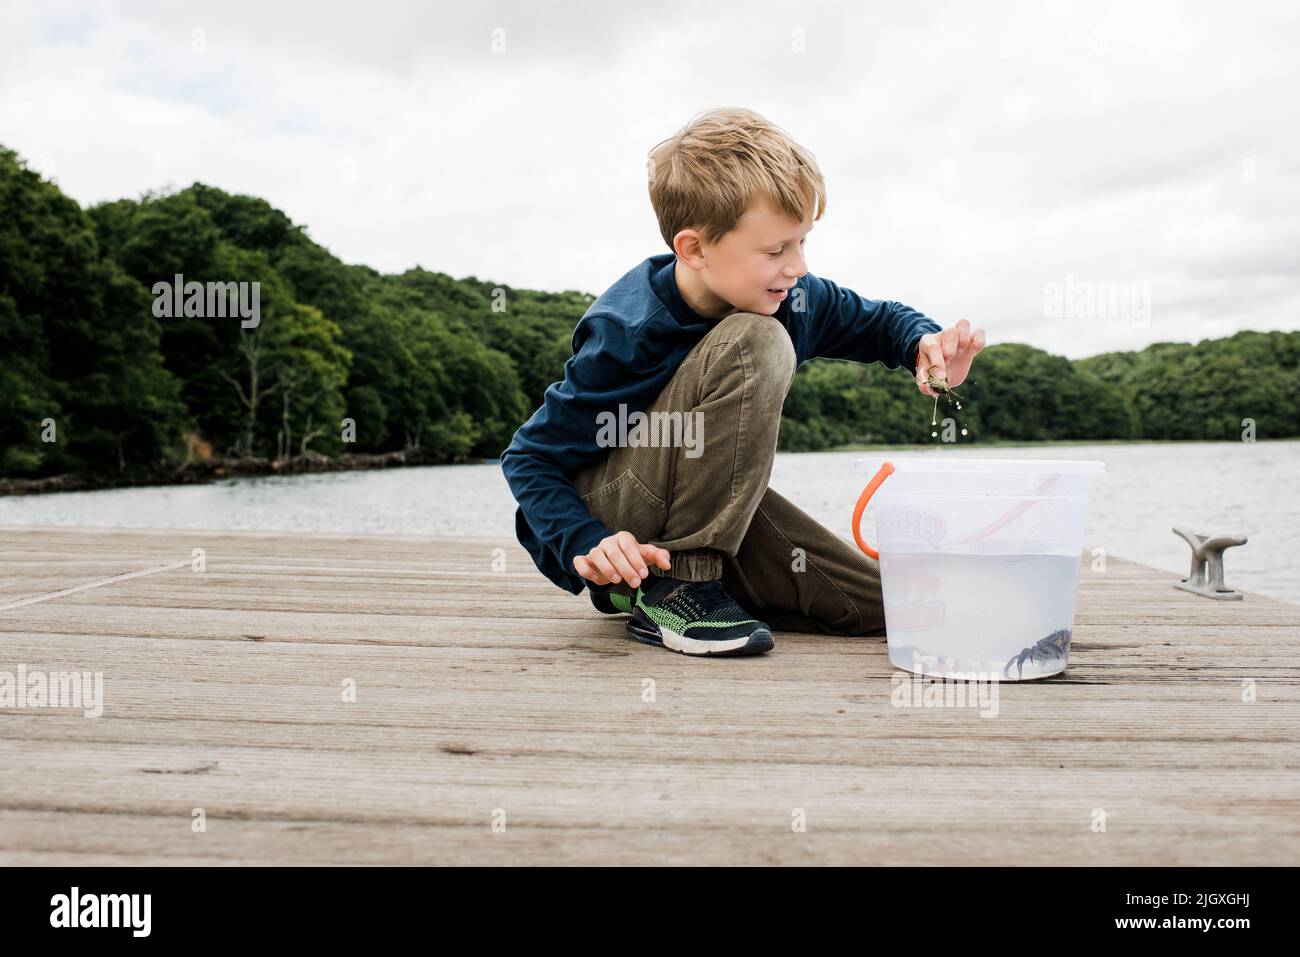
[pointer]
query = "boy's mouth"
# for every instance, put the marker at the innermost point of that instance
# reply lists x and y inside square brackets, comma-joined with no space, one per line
[777,294]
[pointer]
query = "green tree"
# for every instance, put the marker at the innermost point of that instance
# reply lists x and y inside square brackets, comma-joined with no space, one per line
[80,343]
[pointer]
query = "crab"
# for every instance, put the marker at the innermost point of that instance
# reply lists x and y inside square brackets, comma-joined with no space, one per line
[1053,647]
[940,386]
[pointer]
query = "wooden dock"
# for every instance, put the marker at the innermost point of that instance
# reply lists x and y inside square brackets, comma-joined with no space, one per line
[499,720]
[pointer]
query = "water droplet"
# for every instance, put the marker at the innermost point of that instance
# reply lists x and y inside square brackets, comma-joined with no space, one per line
[933,434]
[963,431]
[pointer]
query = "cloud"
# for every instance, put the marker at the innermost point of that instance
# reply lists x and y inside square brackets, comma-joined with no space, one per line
[974,153]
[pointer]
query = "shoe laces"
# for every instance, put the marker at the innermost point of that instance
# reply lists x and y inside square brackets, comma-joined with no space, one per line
[700,598]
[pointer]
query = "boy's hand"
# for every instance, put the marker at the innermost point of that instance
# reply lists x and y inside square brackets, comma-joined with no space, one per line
[620,558]
[947,354]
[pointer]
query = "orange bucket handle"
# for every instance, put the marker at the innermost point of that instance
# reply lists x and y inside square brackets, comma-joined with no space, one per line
[884,472]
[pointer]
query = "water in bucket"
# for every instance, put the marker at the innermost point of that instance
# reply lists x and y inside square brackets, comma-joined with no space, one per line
[979,561]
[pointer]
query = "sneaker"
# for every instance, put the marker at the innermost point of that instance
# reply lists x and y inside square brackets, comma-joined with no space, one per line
[612,603]
[695,618]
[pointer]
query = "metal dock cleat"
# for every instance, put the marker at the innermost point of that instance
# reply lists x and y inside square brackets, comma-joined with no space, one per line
[1206,578]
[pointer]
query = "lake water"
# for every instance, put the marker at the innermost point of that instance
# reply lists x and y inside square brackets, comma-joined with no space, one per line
[1213,487]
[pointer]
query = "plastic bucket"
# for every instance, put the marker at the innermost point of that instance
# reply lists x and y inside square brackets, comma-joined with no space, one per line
[979,561]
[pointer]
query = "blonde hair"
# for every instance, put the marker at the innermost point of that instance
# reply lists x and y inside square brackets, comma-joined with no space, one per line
[705,176]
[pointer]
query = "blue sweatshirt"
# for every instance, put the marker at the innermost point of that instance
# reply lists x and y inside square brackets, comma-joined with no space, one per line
[626,348]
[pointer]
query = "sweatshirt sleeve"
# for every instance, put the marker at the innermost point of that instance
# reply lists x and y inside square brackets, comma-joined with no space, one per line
[845,325]
[560,438]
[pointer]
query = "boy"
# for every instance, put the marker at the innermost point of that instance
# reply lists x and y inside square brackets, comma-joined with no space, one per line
[685,535]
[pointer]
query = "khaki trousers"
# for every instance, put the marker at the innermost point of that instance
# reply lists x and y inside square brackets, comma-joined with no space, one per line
[695,484]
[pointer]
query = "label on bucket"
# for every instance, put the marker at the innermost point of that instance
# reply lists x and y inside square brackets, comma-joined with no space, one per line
[900,524]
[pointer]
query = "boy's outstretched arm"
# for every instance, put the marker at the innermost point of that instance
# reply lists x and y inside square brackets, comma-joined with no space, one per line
[847,325]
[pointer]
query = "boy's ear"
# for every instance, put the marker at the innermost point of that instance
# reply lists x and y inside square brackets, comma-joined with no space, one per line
[686,244]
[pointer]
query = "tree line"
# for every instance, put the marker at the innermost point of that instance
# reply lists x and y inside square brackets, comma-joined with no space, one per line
[97,380]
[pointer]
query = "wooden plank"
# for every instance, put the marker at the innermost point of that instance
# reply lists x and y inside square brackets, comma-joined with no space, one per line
[482,692]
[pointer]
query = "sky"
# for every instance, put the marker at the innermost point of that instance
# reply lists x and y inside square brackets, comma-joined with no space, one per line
[1083,177]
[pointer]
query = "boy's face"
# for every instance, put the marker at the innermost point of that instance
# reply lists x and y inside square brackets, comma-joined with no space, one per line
[762,254]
